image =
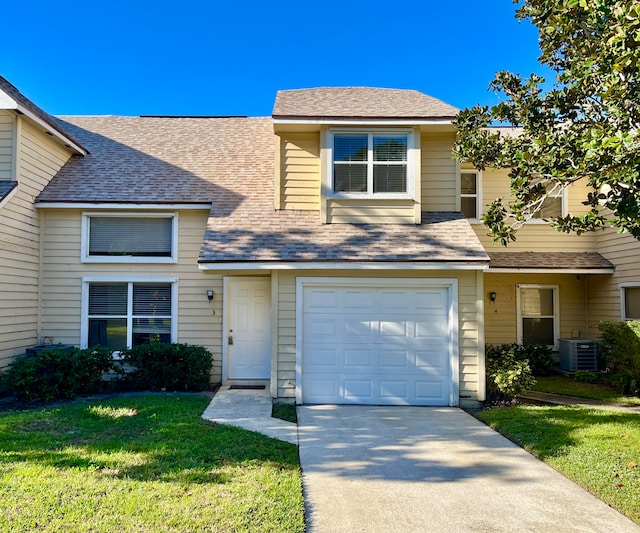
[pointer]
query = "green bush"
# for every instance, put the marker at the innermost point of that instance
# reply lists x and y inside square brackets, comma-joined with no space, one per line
[585,376]
[619,349]
[172,367]
[508,371]
[58,373]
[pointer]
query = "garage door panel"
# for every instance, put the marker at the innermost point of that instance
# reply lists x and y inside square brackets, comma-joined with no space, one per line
[323,360]
[391,390]
[431,359]
[390,328]
[320,299]
[394,359]
[357,300]
[428,390]
[358,358]
[357,329]
[358,389]
[376,346]
[320,328]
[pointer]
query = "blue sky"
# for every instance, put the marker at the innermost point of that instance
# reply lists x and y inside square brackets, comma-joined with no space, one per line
[197,57]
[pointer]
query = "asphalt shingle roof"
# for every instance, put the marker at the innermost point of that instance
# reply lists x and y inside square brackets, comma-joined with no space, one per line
[229,163]
[549,260]
[359,102]
[6,187]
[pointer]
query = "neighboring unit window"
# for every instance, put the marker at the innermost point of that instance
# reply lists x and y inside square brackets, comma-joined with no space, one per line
[370,163]
[538,315]
[469,193]
[631,303]
[122,315]
[552,206]
[129,238]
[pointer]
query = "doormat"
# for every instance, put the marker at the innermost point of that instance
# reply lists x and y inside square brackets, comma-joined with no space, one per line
[246,387]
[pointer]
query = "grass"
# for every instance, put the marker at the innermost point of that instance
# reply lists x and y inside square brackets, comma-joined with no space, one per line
[285,411]
[145,464]
[595,391]
[598,449]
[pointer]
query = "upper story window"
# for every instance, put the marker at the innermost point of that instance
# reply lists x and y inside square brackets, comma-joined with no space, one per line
[553,205]
[470,193]
[371,163]
[131,237]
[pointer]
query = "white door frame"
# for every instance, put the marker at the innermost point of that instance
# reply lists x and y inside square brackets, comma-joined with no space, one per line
[226,305]
[451,284]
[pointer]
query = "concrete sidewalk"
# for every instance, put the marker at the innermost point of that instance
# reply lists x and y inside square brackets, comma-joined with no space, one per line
[415,469]
[249,409]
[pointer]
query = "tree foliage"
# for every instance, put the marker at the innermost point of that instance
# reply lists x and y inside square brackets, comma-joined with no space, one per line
[584,127]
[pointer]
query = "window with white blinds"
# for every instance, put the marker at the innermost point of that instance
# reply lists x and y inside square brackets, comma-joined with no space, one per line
[137,238]
[370,163]
[121,315]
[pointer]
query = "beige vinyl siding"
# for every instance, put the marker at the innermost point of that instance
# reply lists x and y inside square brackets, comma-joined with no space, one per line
[300,171]
[63,273]
[535,235]
[471,366]
[501,316]
[7,145]
[343,211]
[623,250]
[438,172]
[38,159]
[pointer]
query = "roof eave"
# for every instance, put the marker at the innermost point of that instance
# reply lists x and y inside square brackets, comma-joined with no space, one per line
[479,264]
[52,129]
[369,121]
[550,270]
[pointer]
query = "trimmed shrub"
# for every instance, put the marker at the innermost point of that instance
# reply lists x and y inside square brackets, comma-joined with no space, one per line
[171,367]
[508,371]
[58,373]
[619,349]
[585,376]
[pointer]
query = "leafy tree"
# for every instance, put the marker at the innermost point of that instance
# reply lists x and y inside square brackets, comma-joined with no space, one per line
[584,127]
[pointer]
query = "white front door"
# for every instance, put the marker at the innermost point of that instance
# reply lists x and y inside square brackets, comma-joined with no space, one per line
[248,333]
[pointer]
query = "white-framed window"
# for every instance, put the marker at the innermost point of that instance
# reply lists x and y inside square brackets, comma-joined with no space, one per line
[554,205]
[538,314]
[121,313]
[630,300]
[471,193]
[129,237]
[371,163]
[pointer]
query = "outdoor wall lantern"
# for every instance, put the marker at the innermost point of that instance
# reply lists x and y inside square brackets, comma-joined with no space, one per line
[210,295]
[492,296]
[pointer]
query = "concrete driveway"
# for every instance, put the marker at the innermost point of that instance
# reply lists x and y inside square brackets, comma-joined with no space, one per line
[370,469]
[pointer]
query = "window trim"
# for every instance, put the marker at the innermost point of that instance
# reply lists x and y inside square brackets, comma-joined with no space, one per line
[130,280]
[477,195]
[623,298]
[556,311]
[84,242]
[412,147]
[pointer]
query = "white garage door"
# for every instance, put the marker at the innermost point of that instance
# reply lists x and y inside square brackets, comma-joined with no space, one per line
[376,344]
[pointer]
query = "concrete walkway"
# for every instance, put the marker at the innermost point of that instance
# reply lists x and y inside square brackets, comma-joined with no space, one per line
[249,409]
[415,469]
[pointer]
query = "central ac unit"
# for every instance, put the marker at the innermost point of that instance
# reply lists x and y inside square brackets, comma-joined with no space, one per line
[578,354]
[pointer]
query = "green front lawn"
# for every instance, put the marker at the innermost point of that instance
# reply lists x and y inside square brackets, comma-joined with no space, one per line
[144,464]
[597,448]
[595,391]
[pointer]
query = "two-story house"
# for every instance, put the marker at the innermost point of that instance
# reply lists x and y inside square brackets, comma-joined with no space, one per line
[332,250]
